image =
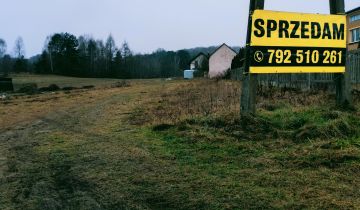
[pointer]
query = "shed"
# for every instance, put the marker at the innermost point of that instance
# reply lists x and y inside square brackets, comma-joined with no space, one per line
[189,74]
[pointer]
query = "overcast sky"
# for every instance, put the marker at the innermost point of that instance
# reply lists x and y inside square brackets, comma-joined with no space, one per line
[145,24]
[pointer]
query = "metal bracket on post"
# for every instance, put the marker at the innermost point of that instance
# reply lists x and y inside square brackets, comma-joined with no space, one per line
[249,83]
[342,81]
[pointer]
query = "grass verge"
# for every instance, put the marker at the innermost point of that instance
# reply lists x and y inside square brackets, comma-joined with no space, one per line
[289,156]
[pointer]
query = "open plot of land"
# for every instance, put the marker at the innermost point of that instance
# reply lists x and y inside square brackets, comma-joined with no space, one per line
[46,80]
[176,145]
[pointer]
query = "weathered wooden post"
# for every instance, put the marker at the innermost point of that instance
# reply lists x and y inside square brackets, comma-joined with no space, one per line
[249,83]
[342,81]
[318,47]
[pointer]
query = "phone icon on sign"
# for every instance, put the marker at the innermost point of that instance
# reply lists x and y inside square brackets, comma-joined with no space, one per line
[259,56]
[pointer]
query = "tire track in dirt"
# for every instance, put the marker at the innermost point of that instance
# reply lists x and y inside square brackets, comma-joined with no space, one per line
[76,119]
[81,119]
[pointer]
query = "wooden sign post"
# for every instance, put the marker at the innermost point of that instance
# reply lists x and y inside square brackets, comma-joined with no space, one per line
[283,42]
[249,84]
[342,81]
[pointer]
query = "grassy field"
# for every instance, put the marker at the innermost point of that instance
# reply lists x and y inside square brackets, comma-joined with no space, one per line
[46,80]
[20,80]
[176,145]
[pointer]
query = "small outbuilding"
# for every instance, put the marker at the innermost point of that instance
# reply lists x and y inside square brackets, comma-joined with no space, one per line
[220,61]
[189,74]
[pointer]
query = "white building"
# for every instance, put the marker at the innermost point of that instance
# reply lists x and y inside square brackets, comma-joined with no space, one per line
[199,62]
[220,61]
[189,74]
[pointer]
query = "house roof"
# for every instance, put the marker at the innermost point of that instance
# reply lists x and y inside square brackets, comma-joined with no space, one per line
[198,55]
[221,47]
[353,10]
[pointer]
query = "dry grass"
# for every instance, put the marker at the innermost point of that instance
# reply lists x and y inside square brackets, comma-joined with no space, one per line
[298,152]
[270,96]
[199,98]
[20,109]
[212,98]
[45,80]
[184,148]
[24,109]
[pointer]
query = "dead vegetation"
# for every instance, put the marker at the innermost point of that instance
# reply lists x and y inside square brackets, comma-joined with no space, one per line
[298,143]
[283,113]
[30,102]
[189,100]
[204,98]
[184,148]
[122,83]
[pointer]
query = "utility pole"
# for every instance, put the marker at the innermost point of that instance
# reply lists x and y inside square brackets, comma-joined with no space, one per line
[249,83]
[342,81]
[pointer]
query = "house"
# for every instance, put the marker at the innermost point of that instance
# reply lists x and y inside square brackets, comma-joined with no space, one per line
[220,61]
[353,22]
[199,62]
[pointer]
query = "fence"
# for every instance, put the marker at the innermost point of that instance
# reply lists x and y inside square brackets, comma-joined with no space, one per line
[307,81]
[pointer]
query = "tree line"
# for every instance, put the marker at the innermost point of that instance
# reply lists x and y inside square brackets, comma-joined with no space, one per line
[84,56]
[16,63]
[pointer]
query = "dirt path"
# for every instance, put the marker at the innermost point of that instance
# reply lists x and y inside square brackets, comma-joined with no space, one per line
[29,149]
[16,131]
[74,119]
[84,150]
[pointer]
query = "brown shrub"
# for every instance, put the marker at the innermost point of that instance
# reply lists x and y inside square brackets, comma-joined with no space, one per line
[194,99]
[218,98]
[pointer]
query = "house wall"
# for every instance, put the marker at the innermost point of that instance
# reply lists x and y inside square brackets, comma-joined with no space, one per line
[200,60]
[220,61]
[352,25]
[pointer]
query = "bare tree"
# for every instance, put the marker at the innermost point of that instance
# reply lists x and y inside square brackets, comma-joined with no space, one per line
[92,49]
[19,49]
[48,49]
[110,48]
[2,48]
[127,55]
[125,50]
[2,53]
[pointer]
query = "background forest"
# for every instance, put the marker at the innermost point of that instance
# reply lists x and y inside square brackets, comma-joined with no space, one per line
[84,56]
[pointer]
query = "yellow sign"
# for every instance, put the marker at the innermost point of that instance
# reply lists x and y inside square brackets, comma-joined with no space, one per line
[283,42]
